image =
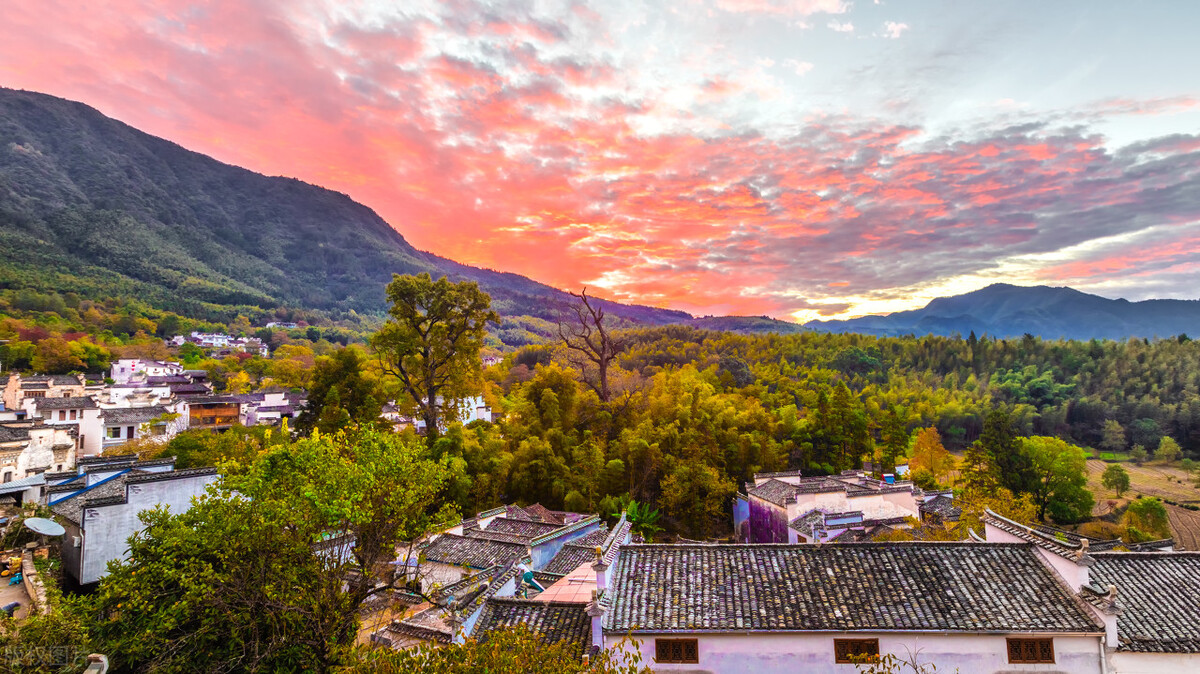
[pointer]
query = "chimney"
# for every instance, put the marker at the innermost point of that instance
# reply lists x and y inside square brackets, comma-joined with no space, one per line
[600,568]
[596,612]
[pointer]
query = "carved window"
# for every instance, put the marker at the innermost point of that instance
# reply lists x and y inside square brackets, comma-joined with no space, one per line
[685,651]
[851,651]
[1030,651]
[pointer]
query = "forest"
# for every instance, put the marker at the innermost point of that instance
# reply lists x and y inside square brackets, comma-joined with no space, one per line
[688,415]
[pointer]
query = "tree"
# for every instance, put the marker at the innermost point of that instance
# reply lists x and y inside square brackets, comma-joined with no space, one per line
[1114,436]
[1060,479]
[1168,450]
[268,571]
[696,495]
[643,521]
[929,454]
[507,651]
[341,393]
[1138,454]
[1013,467]
[1146,520]
[894,436]
[431,341]
[589,343]
[1116,478]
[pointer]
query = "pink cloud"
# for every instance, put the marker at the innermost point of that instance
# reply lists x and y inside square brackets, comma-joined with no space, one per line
[512,157]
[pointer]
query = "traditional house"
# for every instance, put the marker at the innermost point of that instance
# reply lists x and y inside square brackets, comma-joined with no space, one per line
[81,412]
[125,370]
[791,508]
[214,412]
[100,502]
[977,607]
[1148,600]
[157,422]
[31,446]
[18,389]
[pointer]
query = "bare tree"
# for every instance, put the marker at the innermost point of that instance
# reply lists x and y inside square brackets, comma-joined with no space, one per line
[590,344]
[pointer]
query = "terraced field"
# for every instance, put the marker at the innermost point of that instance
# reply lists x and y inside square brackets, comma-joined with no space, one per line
[1150,480]
[1165,482]
[1185,525]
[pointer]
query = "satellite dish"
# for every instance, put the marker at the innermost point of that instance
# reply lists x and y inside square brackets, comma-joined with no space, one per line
[45,527]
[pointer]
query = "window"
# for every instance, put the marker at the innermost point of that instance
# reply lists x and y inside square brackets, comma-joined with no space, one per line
[1030,651]
[35,394]
[72,415]
[62,415]
[685,651]
[114,432]
[130,434]
[851,651]
[8,476]
[66,394]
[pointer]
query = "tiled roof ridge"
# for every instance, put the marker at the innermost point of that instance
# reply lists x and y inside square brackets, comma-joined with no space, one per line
[171,475]
[1148,554]
[1066,549]
[564,529]
[876,544]
[120,458]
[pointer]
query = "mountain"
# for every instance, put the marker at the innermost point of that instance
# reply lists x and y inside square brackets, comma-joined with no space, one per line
[1003,310]
[91,205]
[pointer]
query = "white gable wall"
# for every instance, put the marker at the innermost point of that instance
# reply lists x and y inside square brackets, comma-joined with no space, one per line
[812,652]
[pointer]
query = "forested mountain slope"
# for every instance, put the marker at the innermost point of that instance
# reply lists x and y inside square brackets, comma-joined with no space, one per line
[1003,310]
[91,205]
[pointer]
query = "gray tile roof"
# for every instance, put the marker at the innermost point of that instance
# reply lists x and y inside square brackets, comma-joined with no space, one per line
[569,558]
[972,587]
[495,536]
[72,403]
[132,415]
[942,507]
[552,621]
[1062,546]
[773,490]
[531,529]
[1159,597]
[14,433]
[474,552]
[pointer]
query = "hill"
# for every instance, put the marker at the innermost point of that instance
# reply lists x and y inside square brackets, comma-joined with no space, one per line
[1003,310]
[93,206]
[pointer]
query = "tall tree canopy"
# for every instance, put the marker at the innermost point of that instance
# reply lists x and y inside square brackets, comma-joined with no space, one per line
[267,572]
[431,341]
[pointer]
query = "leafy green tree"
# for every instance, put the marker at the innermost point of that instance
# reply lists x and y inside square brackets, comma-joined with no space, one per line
[1114,436]
[643,521]
[267,572]
[697,496]
[1168,450]
[1116,478]
[1138,454]
[895,436]
[1013,466]
[1060,479]
[431,341]
[1146,520]
[342,393]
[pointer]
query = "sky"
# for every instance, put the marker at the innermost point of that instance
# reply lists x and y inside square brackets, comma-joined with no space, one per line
[802,159]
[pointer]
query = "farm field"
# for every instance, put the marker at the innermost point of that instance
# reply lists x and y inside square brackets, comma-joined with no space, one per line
[1153,480]
[1149,480]
[1185,525]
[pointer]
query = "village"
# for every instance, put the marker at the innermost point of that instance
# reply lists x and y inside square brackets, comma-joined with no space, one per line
[804,587]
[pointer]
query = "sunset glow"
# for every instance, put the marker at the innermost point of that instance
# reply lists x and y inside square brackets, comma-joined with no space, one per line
[796,158]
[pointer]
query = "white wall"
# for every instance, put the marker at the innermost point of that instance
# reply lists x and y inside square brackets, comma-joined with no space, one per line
[106,529]
[1155,663]
[812,653]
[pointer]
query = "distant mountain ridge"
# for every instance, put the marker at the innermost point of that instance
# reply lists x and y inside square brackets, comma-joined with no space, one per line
[1003,310]
[91,205]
